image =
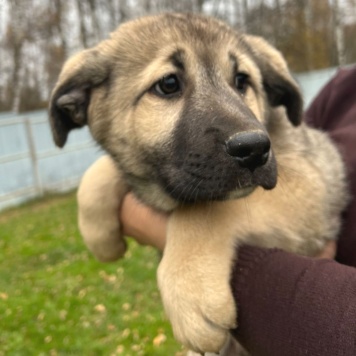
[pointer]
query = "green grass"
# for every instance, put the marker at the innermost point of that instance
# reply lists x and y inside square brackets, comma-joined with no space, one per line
[56,299]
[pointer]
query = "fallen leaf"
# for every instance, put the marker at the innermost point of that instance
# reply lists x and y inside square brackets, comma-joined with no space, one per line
[159,339]
[100,308]
[3,296]
[126,306]
[120,349]
[111,327]
[126,333]
[136,348]
[41,316]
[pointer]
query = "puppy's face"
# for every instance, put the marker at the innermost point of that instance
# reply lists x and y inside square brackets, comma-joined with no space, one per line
[181,102]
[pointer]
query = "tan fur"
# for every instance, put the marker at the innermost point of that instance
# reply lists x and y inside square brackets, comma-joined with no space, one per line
[97,196]
[299,215]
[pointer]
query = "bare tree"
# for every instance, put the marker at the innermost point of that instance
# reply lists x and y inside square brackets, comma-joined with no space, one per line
[199,5]
[307,23]
[339,33]
[111,5]
[15,41]
[123,10]
[245,15]
[83,29]
[58,23]
[277,24]
[94,18]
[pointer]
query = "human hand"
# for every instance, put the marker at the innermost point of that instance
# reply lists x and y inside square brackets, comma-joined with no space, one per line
[145,225]
[329,251]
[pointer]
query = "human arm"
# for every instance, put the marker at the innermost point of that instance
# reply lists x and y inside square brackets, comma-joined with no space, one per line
[334,111]
[147,226]
[292,305]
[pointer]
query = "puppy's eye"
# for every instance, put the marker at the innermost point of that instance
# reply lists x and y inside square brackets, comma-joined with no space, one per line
[241,82]
[167,86]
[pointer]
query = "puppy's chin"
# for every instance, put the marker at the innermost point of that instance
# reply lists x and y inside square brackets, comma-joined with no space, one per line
[240,193]
[154,196]
[176,187]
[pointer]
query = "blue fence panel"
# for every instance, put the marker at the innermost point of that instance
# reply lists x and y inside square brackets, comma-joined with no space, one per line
[13,139]
[30,163]
[21,175]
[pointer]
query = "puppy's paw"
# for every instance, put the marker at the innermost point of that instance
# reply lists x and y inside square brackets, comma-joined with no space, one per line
[199,306]
[99,197]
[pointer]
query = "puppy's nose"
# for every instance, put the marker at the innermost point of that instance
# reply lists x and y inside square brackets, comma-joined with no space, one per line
[249,149]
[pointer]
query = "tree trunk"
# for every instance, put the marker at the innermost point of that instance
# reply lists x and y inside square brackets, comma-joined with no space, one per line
[83,30]
[245,15]
[94,19]
[58,7]
[339,34]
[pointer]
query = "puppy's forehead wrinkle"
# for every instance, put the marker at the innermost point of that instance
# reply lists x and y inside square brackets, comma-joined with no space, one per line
[234,61]
[177,59]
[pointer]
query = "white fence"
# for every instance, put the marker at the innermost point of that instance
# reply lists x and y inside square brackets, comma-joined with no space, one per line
[30,164]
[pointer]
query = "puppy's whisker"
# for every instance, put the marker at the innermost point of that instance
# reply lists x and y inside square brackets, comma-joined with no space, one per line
[287,170]
[246,205]
[283,184]
[197,190]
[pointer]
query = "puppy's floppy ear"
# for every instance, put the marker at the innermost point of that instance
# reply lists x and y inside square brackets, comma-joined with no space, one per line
[71,96]
[280,87]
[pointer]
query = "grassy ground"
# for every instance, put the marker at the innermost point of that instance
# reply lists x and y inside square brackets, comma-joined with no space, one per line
[56,299]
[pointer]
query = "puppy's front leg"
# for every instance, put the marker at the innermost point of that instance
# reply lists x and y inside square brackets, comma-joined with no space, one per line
[99,197]
[194,277]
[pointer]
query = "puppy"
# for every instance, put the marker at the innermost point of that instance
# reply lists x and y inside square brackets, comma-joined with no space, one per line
[206,123]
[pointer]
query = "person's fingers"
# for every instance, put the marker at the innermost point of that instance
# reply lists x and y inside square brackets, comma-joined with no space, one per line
[145,225]
[329,251]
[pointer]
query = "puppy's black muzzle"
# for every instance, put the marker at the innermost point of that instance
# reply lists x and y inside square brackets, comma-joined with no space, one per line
[217,151]
[249,149]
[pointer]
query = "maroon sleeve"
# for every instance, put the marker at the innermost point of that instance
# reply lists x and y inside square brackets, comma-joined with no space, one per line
[334,111]
[290,305]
